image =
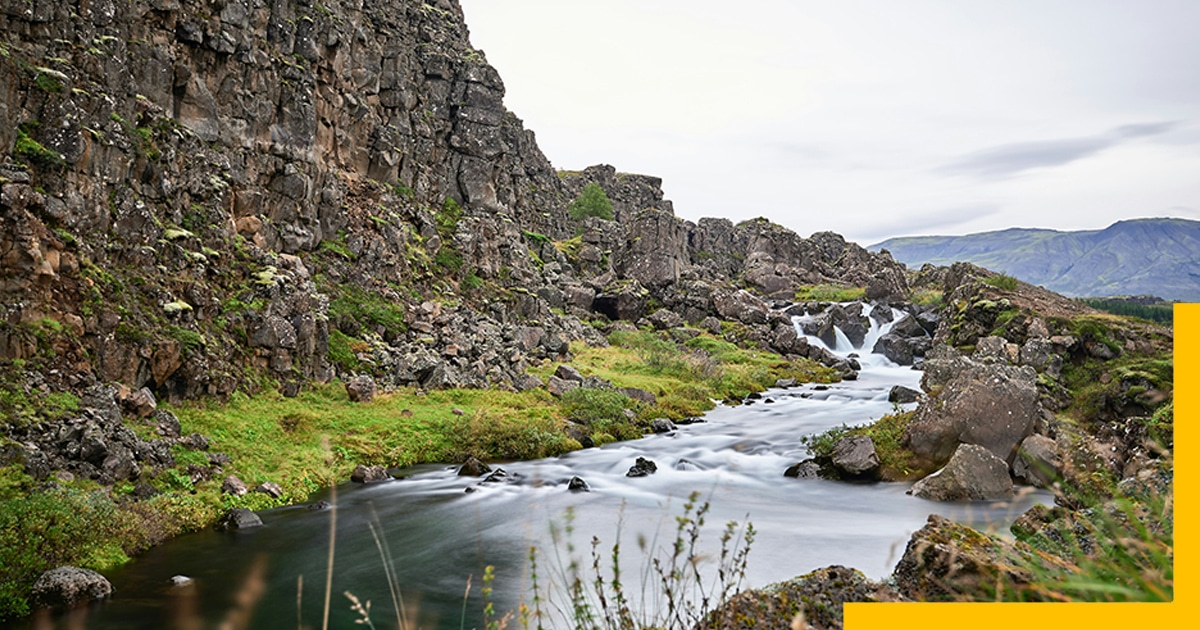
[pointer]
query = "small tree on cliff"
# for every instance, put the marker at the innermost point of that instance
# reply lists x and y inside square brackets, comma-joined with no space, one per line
[592,202]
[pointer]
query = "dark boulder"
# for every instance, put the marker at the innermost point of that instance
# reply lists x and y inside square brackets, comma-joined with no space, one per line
[473,468]
[568,373]
[661,425]
[67,587]
[807,469]
[238,518]
[643,467]
[577,484]
[903,395]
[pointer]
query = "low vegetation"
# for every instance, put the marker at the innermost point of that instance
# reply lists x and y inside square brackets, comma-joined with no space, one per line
[896,462]
[592,202]
[829,293]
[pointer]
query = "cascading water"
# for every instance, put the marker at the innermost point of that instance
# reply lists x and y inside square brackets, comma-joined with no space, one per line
[439,533]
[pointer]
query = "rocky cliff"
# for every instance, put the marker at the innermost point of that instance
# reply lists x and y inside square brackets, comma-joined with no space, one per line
[202,197]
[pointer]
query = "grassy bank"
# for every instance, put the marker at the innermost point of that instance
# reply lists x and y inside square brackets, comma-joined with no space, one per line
[315,439]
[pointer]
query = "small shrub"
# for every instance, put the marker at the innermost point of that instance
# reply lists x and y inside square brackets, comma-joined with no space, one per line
[592,202]
[1002,281]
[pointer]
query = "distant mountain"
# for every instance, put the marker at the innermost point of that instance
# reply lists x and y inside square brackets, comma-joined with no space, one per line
[1140,256]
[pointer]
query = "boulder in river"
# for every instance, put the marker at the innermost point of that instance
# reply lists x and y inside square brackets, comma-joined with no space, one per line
[973,474]
[642,468]
[473,468]
[807,469]
[855,455]
[238,518]
[67,587]
[577,484]
[369,474]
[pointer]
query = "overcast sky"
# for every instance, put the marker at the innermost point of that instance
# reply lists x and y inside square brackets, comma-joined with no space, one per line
[871,118]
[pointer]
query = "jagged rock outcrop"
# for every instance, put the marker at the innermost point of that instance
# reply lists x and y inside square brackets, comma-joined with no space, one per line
[991,405]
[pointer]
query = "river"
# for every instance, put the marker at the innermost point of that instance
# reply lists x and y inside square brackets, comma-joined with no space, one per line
[442,529]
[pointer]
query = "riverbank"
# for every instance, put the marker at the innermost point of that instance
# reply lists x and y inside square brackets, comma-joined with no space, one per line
[311,441]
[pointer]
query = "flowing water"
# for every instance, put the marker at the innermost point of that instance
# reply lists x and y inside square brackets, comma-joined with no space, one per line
[441,536]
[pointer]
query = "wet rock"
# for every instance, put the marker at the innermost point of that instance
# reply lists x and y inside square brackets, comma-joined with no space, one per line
[661,425]
[238,518]
[369,474]
[903,395]
[1037,462]
[67,587]
[319,506]
[855,455]
[179,581]
[973,474]
[577,484]
[233,485]
[361,389]
[807,469]
[473,468]
[496,476]
[642,467]
[785,383]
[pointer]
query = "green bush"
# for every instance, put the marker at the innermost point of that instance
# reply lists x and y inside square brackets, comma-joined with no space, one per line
[592,202]
[1002,281]
[44,530]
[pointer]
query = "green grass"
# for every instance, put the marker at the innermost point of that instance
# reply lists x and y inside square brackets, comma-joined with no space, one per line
[687,378]
[829,293]
[317,438]
[896,462]
[1001,281]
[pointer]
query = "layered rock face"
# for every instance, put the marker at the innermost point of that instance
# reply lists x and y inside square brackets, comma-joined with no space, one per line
[198,194]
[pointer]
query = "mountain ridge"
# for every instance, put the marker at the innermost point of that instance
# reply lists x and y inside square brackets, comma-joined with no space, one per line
[1158,256]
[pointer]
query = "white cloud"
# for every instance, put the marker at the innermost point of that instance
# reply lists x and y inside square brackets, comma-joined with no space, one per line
[839,115]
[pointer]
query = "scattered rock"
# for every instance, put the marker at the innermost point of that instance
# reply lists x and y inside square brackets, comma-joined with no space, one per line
[361,389]
[903,395]
[568,373]
[661,425]
[577,484]
[557,386]
[270,488]
[807,469]
[369,474]
[855,455]
[233,485]
[67,587]
[319,506]
[642,468]
[973,474]
[238,518]
[816,598]
[473,468]
[1037,462]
